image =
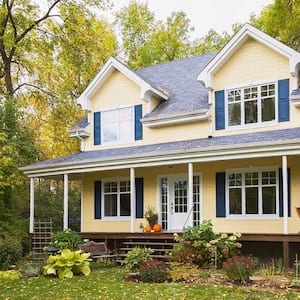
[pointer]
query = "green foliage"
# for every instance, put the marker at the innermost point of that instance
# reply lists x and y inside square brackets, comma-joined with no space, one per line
[10,252]
[238,269]
[179,272]
[66,239]
[135,257]
[68,263]
[202,246]
[153,271]
[281,20]
[10,275]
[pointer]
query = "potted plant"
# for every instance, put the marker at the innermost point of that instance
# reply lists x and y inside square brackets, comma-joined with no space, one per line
[151,216]
[141,227]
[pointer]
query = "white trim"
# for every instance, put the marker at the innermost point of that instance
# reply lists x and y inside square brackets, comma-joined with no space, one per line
[244,215]
[190,193]
[66,202]
[211,154]
[31,206]
[113,64]
[176,119]
[285,194]
[206,75]
[132,199]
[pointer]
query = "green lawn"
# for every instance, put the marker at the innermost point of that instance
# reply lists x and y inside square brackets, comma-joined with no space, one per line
[107,283]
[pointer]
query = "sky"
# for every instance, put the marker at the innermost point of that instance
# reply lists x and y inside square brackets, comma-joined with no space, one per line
[219,15]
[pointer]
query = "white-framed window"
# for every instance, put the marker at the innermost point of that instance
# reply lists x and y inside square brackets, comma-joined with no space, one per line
[118,125]
[251,106]
[116,198]
[252,193]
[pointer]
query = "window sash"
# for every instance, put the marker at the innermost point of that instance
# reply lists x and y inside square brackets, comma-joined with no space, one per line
[116,198]
[251,106]
[252,193]
[118,125]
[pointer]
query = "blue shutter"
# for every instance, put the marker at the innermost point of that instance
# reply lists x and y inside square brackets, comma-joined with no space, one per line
[220,109]
[283,100]
[281,192]
[220,195]
[97,128]
[138,126]
[97,200]
[139,194]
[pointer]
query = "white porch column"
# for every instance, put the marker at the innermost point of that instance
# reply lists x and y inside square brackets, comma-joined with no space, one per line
[285,194]
[31,208]
[190,196]
[66,201]
[132,199]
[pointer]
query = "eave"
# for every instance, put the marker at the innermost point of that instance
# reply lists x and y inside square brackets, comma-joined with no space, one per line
[186,117]
[207,154]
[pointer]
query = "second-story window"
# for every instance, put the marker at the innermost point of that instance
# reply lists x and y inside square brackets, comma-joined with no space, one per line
[251,105]
[118,125]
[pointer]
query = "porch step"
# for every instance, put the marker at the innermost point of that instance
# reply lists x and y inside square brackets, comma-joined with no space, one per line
[160,245]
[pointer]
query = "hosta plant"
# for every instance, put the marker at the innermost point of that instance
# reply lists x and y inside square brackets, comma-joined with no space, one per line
[68,263]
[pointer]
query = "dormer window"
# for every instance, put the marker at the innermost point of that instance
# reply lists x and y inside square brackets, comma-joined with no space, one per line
[118,125]
[252,105]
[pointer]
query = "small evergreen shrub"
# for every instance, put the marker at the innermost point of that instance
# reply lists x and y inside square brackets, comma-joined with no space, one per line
[153,271]
[66,239]
[135,257]
[10,252]
[238,269]
[179,272]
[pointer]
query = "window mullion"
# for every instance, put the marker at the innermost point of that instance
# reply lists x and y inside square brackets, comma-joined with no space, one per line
[242,107]
[260,204]
[243,195]
[259,105]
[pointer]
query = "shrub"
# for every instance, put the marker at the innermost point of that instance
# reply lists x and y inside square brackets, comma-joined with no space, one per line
[10,275]
[202,246]
[153,271]
[68,263]
[238,268]
[135,257]
[179,272]
[66,239]
[10,252]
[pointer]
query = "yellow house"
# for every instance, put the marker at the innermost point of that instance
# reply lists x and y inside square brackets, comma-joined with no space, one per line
[215,136]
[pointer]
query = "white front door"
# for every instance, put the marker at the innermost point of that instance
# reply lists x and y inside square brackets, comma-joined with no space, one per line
[178,203]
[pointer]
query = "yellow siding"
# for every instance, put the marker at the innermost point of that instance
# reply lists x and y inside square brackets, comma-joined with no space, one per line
[208,174]
[254,63]
[119,91]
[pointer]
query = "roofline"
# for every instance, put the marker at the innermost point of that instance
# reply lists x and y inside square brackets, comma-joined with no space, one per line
[248,31]
[111,65]
[208,154]
[186,117]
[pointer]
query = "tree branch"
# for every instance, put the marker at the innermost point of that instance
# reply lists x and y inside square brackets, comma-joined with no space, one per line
[34,86]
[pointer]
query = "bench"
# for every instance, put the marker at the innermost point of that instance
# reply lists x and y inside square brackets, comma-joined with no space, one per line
[97,250]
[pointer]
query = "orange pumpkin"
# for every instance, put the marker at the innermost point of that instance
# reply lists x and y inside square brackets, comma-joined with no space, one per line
[148,228]
[157,227]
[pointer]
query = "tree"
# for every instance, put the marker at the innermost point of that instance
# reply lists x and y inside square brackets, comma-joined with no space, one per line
[281,20]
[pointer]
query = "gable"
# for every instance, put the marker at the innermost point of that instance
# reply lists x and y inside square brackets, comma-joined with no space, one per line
[252,62]
[117,91]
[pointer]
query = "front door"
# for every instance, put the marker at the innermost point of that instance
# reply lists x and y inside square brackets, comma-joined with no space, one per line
[178,203]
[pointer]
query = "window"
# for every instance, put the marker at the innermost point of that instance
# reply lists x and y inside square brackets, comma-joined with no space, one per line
[252,193]
[116,196]
[118,125]
[251,105]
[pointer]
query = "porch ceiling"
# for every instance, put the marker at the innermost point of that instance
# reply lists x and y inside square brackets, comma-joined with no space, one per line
[240,146]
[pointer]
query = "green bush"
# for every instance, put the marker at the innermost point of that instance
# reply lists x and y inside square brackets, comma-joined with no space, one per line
[179,272]
[68,263]
[10,252]
[135,257]
[66,239]
[153,271]
[238,269]
[10,275]
[202,246]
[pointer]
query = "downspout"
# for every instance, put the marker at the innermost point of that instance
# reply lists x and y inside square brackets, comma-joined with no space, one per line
[82,145]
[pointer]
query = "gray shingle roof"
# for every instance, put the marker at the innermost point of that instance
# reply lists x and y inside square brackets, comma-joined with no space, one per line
[282,136]
[179,78]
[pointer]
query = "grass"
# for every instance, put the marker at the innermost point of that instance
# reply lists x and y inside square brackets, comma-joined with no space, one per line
[108,283]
